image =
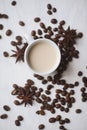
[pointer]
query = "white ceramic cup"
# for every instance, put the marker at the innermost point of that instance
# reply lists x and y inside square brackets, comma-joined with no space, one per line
[26,56]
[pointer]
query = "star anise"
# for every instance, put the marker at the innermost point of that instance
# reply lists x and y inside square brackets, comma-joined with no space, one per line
[26,96]
[69,35]
[19,53]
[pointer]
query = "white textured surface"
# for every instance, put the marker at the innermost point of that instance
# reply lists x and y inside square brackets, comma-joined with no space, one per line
[74,12]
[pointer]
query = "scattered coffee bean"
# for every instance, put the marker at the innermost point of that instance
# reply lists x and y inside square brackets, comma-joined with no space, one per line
[16,102]
[20,118]
[13,3]
[41,126]
[8,32]
[33,33]
[61,127]
[67,120]
[49,87]
[78,110]
[49,12]
[17,123]
[62,22]
[19,38]
[6,54]
[44,81]
[47,92]
[54,10]
[4,116]
[37,19]
[49,6]
[6,108]
[76,83]
[21,23]
[39,32]
[42,25]
[52,120]
[62,122]
[1,27]
[53,21]
[30,82]
[13,43]
[80,34]
[80,73]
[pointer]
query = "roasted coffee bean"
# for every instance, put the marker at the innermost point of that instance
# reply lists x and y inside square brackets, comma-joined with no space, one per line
[37,19]
[13,3]
[66,110]
[13,43]
[0,37]
[44,81]
[20,118]
[21,23]
[61,127]
[80,35]
[49,87]
[42,112]
[40,90]
[49,12]
[52,120]
[17,123]
[76,83]
[4,116]
[33,33]
[30,82]
[43,96]
[39,32]
[38,100]
[8,32]
[84,79]
[62,22]
[58,117]
[53,21]
[83,89]
[47,92]
[62,122]
[1,27]
[47,36]
[50,32]
[41,126]
[80,73]
[6,108]
[35,37]
[6,54]
[72,92]
[19,38]
[55,29]
[67,120]
[42,25]
[16,102]
[45,30]
[52,110]
[49,6]
[54,10]
[37,94]
[78,110]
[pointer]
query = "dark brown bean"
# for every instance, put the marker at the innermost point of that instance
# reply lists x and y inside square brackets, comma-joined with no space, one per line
[49,6]
[16,102]
[1,27]
[20,118]
[4,116]
[41,126]
[58,117]
[54,10]
[80,73]
[13,3]
[8,32]
[62,22]
[13,43]
[53,21]
[76,83]
[21,23]
[39,32]
[49,12]
[30,82]
[52,120]
[38,100]
[6,54]
[47,92]
[80,35]
[19,38]
[49,78]
[33,33]
[61,127]
[37,19]
[49,87]
[62,122]
[17,123]
[42,25]
[44,81]
[78,111]
[6,108]
[67,120]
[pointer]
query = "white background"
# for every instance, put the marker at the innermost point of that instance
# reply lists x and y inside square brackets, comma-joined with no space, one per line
[74,12]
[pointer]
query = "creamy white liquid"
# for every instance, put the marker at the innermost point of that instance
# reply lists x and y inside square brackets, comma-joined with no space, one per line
[42,57]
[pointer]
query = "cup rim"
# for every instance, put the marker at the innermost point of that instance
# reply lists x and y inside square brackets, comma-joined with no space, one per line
[36,42]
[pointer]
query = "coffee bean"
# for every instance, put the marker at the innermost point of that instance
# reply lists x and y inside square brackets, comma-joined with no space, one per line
[41,126]
[37,19]
[1,27]
[54,10]
[4,116]
[62,22]
[52,120]
[66,110]
[53,111]
[76,83]
[20,118]
[44,81]
[49,12]
[53,21]
[37,94]
[39,32]
[42,25]
[49,87]
[40,77]
[17,123]
[84,79]
[21,23]
[0,37]
[78,110]
[58,117]
[83,89]
[19,38]
[33,33]
[47,92]
[72,92]
[67,120]
[30,82]
[40,90]
[8,32]
[6,54]
[61,127]
[13,43]
[55,29]
[49,6]
[42,112]
[62,122]
[16,102]
[38,100]
[80,73]
[6,108]
[80,35]
[13,3]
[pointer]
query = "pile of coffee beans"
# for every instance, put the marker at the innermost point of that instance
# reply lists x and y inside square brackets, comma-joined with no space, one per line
[18,120]
[51,9]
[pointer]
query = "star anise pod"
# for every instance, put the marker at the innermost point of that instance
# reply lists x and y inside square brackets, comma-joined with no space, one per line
[26,96]
[69,35]
[19,53]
